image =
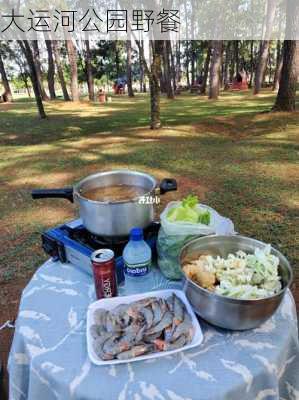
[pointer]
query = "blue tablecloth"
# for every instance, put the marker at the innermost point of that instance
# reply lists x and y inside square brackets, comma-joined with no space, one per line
[49,360]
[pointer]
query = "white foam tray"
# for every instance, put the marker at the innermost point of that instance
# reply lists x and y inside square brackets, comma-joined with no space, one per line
[111,303]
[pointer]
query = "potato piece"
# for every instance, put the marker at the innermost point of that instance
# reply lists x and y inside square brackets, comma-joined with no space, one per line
[198,273]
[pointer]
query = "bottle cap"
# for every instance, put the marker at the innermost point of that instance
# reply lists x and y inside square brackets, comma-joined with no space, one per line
[136,234]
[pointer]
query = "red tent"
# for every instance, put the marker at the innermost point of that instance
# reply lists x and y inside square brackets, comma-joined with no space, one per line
[240,82]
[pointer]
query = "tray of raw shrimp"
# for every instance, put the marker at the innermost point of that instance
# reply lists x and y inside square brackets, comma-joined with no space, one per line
[141,326]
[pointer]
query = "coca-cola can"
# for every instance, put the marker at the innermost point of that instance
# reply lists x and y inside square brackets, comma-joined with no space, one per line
[103,264]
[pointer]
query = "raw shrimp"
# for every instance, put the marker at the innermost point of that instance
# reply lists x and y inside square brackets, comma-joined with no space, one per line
[121,315]
[165,321]
[112,323]
[168,332]
[151,338]
[135,351]
[169,302]
[163,345]
[157,312]
[185,328]
[95,331]
[98,346]
[140,334]
[178,310]
[147,325]
[135,307]
[148,316]
[115,346]
[163,305]
[100,316]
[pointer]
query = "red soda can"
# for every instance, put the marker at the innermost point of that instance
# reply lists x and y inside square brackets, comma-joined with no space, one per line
[103,264]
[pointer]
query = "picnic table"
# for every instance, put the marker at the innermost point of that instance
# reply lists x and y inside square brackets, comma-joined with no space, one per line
[49,360]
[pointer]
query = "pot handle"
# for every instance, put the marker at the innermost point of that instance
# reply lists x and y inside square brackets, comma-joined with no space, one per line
[65,193]
[168,185]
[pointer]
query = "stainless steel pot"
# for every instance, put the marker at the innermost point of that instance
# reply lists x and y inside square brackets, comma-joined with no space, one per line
[223,311]
[112,218]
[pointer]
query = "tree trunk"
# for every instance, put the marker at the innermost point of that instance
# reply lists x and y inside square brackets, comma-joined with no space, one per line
[36,58]
[172,64]
[188,74]
[25,46]
[269,66]
[117,60]
[232,68]
[129,68]
[25,80]
[60,71]
[264,46]
[153,73]
[162,81]
[251,62]
[141,69]
[226,66]
[141,76]
[193,58]
[203,87]
[72,55]
[261,66]
[167,70]
[178,62]
[187,64]
[215,69]
[23,74]
[286,97]
[236,51]
[89,73]
[154,84]
[279,60]
[7,95]
[51,70]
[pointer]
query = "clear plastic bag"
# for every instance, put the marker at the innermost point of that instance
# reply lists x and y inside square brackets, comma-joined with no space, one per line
[174,235]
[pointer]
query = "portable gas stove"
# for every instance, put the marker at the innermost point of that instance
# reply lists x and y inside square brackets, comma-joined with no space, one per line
[73,243]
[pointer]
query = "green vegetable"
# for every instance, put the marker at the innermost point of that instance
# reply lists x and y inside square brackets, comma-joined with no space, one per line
[204,218]
[190,201]
[188,211]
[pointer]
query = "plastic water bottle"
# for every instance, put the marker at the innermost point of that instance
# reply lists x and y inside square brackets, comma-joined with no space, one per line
[137,256]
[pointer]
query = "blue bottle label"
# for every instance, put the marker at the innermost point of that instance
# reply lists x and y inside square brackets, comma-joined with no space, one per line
[137,269]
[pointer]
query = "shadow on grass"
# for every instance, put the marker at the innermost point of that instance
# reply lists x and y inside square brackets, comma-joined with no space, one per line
[20,126]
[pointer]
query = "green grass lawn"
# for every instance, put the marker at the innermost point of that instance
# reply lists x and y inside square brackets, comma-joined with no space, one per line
[238,159]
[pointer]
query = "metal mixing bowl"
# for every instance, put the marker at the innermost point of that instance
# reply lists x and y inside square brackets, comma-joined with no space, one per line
[227,312]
